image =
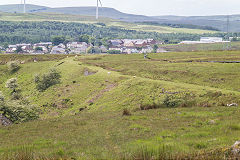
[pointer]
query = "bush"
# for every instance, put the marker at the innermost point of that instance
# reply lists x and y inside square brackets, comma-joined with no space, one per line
[126,112]
[172,101]
[13,66]
[1,97]
[47,80]
[114,52]
[12,84]
[150,106]
[17,113]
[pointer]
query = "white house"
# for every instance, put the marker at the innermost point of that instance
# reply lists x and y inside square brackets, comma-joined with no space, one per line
[211,39]
[147,49]
[76,44]
[58,50]
[130,50]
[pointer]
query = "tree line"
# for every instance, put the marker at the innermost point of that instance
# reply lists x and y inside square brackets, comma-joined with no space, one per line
[34,32]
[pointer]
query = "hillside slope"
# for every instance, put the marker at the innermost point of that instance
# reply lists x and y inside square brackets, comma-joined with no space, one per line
[82,117]
[89,11]
[219,21]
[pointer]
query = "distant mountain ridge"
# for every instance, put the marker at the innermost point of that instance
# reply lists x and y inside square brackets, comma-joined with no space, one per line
[219,22]
[89,11]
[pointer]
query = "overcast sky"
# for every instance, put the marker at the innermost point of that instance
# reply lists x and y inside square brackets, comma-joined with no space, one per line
[150,7]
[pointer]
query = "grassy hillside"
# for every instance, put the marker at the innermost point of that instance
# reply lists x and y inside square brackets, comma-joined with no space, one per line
[218,21]
[82,117]
[91,19]
[201,47]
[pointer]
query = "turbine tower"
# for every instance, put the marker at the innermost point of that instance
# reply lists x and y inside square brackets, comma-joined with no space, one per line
[97,11]
[24,7]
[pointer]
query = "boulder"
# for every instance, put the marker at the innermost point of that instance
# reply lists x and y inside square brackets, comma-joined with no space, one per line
[236,148]
[4,121]
[232,104]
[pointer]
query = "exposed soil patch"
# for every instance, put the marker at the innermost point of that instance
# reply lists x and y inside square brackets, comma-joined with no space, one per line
[88,72]
[107,89]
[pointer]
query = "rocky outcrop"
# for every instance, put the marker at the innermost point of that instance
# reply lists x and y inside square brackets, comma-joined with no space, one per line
[236,148]
[4,121]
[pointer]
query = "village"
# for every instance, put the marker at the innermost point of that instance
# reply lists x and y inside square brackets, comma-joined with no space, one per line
[116,46]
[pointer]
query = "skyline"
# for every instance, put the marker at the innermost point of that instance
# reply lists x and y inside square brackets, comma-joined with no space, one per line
[150,8]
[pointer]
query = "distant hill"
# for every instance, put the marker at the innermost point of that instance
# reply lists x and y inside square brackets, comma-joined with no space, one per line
[18,8]
[219,22]
[89,11]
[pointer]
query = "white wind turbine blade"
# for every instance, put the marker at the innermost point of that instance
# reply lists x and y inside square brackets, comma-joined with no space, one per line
[100,2]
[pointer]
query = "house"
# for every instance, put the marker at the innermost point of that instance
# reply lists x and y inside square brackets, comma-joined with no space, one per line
[58,49]
[116,43]
[71,45]
[103,49]
[129,43]
[46,44]
[61,45]
[78,47]
[82,49]
[43,51]
[211,39]
[147,49]
[141,43]
[11,49]
[27,49]
[152,42]
[130,50]
[116,49]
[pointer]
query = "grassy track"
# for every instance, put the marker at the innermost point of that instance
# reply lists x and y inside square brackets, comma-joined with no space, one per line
[100,131]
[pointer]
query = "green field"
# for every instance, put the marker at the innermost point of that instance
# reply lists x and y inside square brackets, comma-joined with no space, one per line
[234,46]
[202,125]
[91,19]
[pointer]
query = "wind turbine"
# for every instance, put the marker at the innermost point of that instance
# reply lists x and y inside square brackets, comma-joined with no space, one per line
[97,11]
[24,6]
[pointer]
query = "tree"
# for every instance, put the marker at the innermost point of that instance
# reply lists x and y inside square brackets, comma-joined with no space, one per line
[155,47]
[56,40]
[114,52]
[38,49]
[89,50]
[5,45]
[84,38]
[19,49]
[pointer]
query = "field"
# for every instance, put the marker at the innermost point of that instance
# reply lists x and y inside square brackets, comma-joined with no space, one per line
[201,47]
[91,20]
[125,108]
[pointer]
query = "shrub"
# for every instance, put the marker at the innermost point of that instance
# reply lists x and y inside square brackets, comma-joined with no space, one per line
[17,113]
[150,106]
[172,101]
[1,97]
[13,66]
[114,52]
[47,80]
[126,112]
[186,100]
[12,84]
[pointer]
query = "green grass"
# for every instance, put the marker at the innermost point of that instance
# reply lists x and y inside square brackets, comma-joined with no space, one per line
[201,47]
[121,82]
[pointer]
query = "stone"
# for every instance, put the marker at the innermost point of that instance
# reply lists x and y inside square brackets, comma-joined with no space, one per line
[236,148]
[4,121]
[232,104]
